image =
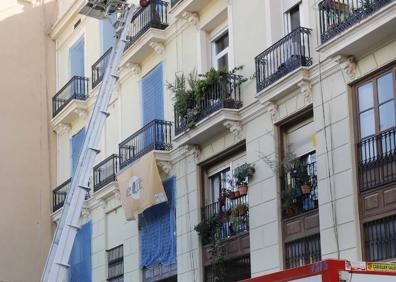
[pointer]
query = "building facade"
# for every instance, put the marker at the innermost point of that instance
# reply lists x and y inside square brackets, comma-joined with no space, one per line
[298,95]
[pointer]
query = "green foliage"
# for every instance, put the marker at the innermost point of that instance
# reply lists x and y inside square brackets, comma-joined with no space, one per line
[235,217]
[242,173]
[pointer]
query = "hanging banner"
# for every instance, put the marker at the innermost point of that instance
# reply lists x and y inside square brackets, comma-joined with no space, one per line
[140,186]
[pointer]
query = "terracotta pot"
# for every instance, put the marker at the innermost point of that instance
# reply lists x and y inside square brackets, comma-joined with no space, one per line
[221,200]
[231,194]
[306,189]
[243,189]
[242,211]
[236,193]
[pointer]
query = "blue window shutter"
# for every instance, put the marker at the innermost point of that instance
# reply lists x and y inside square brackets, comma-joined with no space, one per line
[76,145]
[152,95]
[80,257]
[107,33]
[76,57]
[158,230]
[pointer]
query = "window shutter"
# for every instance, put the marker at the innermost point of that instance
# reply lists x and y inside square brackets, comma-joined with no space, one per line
[108,33]
[76,144]
[152,95]
[76,57]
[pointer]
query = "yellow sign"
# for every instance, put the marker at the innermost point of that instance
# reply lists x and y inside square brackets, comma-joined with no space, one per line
[384,267]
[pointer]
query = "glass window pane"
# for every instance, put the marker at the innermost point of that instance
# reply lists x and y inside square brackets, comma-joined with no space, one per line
[365,94]
[222,43]
[385,88]
[222,63]
[387,115]
[215,188]
[367,124]
[294,17]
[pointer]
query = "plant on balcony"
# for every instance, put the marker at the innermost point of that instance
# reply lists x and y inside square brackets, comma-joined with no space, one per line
[241,175]
[238,216]
[190,91]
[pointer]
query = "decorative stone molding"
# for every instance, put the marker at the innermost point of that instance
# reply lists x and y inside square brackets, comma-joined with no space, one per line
[191,17]
[165,166]
[273,110]
[348,65]
[234,127]
[194,150]
[85,212]
[82,114]
[135,69]
[306,91]
[102,204]
[117,194]
[159,48]
[62,128]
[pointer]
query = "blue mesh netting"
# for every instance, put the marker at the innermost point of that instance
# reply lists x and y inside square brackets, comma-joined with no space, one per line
[158,230]
[80,257]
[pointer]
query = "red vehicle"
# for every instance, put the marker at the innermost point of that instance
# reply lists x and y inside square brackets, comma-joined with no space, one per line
[334,271]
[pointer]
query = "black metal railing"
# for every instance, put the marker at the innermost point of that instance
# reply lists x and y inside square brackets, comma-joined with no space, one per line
[300,189]
[377,160]
[303,251]
[380,239]
[174,2]
[289,53]
[156,135]
[236,269]
[336,16]
[155,15]
[99,67]
[105,172]
[225,93]
[232,221]
[75,88]
[59,195]
[115,264]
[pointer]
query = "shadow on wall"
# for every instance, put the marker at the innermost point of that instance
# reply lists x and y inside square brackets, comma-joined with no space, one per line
[27,79]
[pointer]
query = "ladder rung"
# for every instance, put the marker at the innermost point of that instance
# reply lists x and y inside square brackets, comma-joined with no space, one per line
[74,226]
[107,114]
[97,151]
[115,76]
[64,264]
[86,188]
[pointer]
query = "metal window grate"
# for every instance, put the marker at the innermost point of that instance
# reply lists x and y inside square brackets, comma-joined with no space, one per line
[303,251]
[380,239]
[234,270]
[115,264]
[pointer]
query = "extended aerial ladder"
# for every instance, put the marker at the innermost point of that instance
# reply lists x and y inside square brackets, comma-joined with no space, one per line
[68,226]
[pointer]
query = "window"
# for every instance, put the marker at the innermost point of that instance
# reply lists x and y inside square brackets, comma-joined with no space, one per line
[108,32]
[303,251]
[76,58]
[77,142]
[292,19]
[375,99]
[115,264]
[218,181]
[221,51]
[380,239]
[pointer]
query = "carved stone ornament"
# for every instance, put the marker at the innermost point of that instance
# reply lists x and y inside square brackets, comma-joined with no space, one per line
[134,69]
[85,212]
[158,48]
[62,128]
[82,114]
[306,91]
[194,150]
[234,127]
[165,166]
[273,110]
[348,65]
[191,17]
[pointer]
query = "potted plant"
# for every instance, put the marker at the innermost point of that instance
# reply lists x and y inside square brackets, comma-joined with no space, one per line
[302,178]
[237,216]
[207,228]
[241,175]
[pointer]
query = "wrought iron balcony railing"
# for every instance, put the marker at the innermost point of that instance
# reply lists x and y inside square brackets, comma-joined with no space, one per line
[225,93]
[105,172]
[303,251]
[230,222]
[377,160]
[156,135]
[99,67]
[59,195]
[289,53]
[155,15]
[75,88]
[299,188]
[336,16]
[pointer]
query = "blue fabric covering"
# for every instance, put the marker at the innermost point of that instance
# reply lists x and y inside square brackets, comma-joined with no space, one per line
[152,95]
[80,257]
[76,144]
[158,230]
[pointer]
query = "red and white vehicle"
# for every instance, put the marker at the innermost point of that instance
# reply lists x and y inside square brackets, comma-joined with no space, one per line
[334,271]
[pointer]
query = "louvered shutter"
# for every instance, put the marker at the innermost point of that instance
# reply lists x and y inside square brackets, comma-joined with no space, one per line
[76,144]
[152,95]
[76,57]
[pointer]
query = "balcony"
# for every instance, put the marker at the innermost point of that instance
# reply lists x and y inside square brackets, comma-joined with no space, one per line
[99,67]
[286,55]
[59,195]
[377,160]
[75,89]
[156,135]
[299,187]
[354,27]
[105,172]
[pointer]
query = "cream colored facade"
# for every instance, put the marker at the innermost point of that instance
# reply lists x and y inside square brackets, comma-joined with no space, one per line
[28,81]
[324,91]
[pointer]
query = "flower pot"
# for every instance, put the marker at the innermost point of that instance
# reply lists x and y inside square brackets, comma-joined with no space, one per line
[221,201]
[231,195]
[243,189]
[242,211]
[236,193]
[306,189]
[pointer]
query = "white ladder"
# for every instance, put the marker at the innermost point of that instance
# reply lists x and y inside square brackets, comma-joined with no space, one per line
[66,230]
